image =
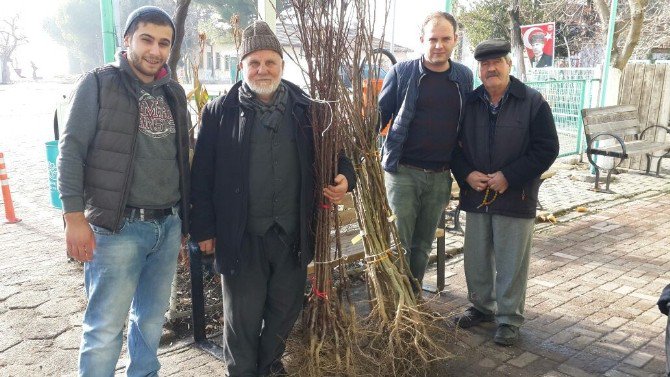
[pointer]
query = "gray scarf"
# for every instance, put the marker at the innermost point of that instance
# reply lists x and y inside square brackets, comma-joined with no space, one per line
[269,114]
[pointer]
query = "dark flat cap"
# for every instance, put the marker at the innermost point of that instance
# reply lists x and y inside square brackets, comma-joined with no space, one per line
[491,49]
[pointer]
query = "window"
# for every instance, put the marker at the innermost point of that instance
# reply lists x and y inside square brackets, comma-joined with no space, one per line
[210,60]
[226,62]
[218,60]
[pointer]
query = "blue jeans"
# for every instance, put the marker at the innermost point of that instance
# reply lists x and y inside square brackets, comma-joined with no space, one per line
[417,198]
[131,270]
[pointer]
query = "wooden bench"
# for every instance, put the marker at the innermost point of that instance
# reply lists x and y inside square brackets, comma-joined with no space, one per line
[614,123]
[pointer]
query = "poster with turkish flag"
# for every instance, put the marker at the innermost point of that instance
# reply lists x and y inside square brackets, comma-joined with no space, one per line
[539,42]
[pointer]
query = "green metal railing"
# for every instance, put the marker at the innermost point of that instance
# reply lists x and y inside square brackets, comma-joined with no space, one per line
[566,98]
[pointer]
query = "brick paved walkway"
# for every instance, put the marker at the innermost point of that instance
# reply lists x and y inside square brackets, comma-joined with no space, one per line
[591,308]
[595,276]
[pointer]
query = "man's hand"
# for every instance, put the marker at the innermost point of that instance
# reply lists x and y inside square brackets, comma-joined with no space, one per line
[207,246]
[478,180]
[336,193]
[79,237]
[498,182]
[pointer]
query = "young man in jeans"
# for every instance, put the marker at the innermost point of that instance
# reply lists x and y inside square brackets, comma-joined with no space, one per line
[124,181]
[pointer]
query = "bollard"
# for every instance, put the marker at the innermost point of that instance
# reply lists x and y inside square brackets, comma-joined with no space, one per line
[6,194]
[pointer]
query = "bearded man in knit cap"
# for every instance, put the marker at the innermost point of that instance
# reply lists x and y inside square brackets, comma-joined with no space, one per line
[254,199]
[124,180]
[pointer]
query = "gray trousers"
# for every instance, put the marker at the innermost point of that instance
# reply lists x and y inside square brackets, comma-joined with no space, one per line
[260,304]
[667,347]
[496,258]
[417,198]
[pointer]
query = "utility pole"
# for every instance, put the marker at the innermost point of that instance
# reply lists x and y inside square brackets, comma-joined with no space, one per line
[108,37]
[267,9]
[606,63]
[608,52]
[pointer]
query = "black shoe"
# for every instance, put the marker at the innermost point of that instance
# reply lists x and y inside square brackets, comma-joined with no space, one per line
[506,335]
[472,317]
[277,369]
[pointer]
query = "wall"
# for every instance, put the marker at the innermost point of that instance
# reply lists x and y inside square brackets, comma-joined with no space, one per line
[648,87]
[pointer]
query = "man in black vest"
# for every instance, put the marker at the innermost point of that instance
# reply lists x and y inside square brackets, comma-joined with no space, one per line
[507,140]
[254,199]
[124,181]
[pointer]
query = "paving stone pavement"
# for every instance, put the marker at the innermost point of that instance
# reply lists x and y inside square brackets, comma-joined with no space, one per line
[591,299]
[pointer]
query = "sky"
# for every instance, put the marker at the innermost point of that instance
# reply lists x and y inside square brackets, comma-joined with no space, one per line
[51,59]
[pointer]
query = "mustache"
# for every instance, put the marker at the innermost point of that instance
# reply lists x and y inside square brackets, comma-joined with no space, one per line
[492,74]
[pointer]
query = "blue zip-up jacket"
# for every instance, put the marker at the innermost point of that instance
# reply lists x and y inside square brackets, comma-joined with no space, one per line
[397,101]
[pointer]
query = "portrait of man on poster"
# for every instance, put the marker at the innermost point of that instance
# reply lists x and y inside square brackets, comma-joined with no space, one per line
[539,42]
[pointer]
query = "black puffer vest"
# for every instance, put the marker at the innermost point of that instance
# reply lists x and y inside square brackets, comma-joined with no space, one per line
[109,162]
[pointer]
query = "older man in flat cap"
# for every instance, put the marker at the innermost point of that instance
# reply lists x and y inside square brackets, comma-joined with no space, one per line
[507,140]
[254,199]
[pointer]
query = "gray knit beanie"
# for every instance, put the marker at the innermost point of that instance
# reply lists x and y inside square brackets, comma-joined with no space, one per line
[148,14]
[259,36]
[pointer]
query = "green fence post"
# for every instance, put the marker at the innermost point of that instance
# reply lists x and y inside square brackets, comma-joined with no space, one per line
[108,35]
[580,125]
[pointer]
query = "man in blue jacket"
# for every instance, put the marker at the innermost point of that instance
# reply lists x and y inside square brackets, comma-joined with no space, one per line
[254,198]
[507,140]
[423,99]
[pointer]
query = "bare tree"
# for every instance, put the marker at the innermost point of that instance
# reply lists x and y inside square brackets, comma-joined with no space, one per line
[581,26]
[10,39]
[656,32]
[516,40]
[179,20]
[632,26]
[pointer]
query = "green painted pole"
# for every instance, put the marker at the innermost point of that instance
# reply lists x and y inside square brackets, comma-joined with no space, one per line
[108,37]
[607,63]
[448,6]
[608,52]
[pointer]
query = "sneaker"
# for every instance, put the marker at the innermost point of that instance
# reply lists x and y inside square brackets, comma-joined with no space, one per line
[506,335]
[472,317]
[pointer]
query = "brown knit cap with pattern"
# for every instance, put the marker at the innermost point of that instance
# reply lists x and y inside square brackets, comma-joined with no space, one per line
[259,36]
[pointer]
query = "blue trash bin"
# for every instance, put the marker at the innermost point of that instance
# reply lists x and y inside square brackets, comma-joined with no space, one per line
[52,155]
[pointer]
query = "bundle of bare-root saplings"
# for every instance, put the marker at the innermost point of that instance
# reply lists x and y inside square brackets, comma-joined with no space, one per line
[399,337]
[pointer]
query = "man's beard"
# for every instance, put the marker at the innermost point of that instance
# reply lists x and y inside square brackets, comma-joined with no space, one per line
[264,89]
[136,61]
